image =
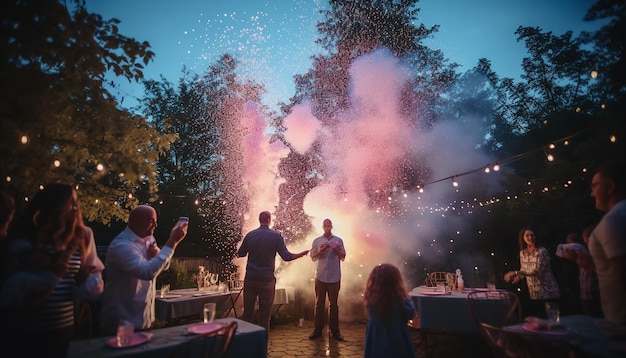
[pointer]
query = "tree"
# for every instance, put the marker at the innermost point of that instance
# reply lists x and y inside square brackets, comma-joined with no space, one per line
[202,171]
[58,122]
[351,29]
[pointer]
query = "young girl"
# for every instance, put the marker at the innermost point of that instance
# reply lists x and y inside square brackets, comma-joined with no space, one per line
[389,308]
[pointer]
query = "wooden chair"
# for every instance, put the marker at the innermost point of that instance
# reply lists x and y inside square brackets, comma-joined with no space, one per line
[507,344]
[440,277]
[497,308]
[210,345]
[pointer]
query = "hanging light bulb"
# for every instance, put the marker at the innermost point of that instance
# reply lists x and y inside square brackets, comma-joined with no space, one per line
[594,74]
[454,182]
[549,156]
[487,170]
[496,167]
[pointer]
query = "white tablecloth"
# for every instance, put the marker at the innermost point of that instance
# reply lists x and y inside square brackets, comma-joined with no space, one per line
[190,302]
[444,312]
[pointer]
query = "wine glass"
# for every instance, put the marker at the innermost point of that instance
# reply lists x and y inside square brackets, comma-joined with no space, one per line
[214,278]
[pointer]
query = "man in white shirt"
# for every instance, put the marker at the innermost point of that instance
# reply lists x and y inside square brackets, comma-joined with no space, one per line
[607,243]
[133,261]
[328,251]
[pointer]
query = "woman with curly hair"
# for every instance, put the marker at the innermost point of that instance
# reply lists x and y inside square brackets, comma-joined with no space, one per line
[389,308]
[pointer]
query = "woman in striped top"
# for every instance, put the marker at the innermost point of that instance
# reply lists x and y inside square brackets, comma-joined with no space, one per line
[46,254]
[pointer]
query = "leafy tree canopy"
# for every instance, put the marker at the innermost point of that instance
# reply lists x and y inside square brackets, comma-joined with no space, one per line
[58,122]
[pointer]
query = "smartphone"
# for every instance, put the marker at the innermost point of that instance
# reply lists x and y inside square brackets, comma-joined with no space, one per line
[183,219]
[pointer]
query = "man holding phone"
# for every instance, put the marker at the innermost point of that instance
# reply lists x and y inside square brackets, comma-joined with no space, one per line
[133,262]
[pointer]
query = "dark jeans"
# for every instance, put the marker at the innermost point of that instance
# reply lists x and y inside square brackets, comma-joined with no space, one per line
[264,291]
[321,290]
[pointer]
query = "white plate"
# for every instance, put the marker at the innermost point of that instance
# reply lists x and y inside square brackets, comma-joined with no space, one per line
[435,293]
[171,296]
[135,340]
[203,328]
[206,293]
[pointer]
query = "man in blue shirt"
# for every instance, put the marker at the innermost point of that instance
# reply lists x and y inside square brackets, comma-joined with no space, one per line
[261,245]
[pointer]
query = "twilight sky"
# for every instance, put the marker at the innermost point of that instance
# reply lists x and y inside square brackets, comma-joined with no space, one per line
[274,42]
[275,39]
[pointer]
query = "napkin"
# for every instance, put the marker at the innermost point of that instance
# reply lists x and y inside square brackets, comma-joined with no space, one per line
[560,249]
[541,324]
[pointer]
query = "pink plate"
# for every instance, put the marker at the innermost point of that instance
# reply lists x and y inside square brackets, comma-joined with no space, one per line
[435,293]
[203,328]
[530,328]
[135,340]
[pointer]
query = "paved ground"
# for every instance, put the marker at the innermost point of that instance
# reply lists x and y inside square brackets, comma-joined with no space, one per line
[288,340]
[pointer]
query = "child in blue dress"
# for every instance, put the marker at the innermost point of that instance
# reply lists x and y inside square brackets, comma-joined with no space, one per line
[389,308]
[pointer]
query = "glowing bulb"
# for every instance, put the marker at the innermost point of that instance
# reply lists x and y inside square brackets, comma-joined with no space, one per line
[8,179]
[57,163]
[594,74]
[99,167]
[551,146]
[454,183]
[613,138]
[550,157]
[487,170]
[496,167]
[24,139]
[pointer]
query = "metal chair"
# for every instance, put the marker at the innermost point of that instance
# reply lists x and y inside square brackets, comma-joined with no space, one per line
[497,308]
[209,345]
[507,344]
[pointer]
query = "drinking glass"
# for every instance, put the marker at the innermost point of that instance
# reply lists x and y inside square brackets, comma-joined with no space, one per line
[552,311]
[441,287]
[165,289]
[125,331]
[209,312]
[214,278]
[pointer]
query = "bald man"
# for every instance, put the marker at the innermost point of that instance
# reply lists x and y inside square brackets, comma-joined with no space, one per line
[133,261]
